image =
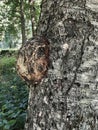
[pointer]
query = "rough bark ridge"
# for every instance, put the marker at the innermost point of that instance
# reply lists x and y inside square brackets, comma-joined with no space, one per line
[67,99]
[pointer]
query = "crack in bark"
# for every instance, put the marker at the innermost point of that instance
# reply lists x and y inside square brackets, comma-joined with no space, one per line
[77,68]
[86,37]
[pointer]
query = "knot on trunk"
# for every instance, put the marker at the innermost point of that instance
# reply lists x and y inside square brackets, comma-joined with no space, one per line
[33,59]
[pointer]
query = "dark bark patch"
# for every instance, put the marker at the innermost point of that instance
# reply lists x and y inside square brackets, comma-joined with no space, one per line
[70,27]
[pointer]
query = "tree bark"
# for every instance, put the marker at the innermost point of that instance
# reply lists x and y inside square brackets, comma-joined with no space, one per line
[67,98]
[22,19]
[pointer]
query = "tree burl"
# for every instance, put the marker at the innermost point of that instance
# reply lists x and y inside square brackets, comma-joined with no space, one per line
[33,60]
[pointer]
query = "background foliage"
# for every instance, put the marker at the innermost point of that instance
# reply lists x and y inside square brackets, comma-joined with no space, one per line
[11,23]
[13,95]
[13,91]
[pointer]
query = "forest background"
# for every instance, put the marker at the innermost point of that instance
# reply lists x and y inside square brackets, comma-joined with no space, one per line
[18,22]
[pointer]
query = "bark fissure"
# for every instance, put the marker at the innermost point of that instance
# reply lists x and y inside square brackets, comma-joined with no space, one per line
[77,68]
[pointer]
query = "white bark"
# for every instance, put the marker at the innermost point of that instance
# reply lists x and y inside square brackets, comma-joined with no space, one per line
[67,98]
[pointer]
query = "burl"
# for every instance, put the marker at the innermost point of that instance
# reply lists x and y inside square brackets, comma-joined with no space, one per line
[33,60]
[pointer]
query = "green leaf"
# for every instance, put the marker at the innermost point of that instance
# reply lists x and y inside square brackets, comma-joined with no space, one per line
[1,124]
[2,114]
[11,122]
[4,107]
[7,127]
[5,121]
[14,115]
[10,111]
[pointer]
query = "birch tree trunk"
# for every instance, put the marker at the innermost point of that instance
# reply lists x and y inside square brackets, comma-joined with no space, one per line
[67,99]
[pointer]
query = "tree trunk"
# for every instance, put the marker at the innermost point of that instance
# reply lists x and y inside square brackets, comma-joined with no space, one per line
[67,98]
[22,19]
[31,2]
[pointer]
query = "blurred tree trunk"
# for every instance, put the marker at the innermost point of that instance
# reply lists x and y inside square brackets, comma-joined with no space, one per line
[22,19]
[31,2]
[67,99]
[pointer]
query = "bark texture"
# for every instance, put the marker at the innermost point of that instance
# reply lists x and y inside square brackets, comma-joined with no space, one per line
[67,99]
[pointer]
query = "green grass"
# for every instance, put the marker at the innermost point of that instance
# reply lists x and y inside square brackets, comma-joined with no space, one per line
[7,63]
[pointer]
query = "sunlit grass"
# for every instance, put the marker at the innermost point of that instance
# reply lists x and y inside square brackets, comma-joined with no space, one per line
[7,62]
